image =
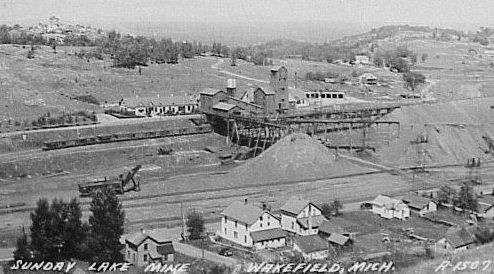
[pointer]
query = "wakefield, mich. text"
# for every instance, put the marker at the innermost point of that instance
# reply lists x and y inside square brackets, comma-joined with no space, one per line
[319,268]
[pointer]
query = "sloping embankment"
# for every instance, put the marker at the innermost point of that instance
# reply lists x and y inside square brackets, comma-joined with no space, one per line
[455,131]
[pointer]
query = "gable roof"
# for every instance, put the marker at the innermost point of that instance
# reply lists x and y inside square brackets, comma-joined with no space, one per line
[416,201]
[157,235]
[295,205]
[459,237]
[136,238]
[311,243]
[266,90]
[224,106]
[338,239]
[242,212]
[165,249]
[387,202]
[210,91]
[329,227]
[267,234]
[316,221]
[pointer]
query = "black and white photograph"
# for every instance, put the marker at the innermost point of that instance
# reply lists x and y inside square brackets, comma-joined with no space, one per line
[246,136]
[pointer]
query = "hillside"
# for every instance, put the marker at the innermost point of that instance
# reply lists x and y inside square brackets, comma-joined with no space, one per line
[481,254]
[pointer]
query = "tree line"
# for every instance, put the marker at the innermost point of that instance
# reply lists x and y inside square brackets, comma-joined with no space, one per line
[58,232]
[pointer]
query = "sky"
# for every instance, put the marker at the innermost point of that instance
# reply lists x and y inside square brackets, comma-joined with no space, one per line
[362,14]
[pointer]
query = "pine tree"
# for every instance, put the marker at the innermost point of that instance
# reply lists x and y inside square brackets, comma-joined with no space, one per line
[73,232]
[466,198]
[40,219]
[106,226]
[22,248]
[195,225]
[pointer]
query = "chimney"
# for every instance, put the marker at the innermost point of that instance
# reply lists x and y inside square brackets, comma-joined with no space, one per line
[245,201]
[310,219]
[264,206]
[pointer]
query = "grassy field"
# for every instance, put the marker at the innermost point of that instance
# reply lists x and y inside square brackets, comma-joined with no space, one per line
[31,87]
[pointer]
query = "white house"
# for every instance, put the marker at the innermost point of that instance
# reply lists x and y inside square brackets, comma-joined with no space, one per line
[156,106]
[144,247]
[368,79]
[420,204]
[301,217]
[389,208]
[362,59]
[312,247]
[250,226]
[455,240]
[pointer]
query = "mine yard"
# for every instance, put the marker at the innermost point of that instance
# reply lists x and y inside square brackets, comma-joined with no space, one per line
[279,143]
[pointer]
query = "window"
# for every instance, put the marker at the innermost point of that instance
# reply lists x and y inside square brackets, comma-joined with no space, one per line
[235,234]
[268,223]
[245,226]
[235,224]
[293,225]
[245,238]
[307,95]
[260,225]
[225,230]
[145,246]
[340,96]
[225,219]
[145,257]
[260,218]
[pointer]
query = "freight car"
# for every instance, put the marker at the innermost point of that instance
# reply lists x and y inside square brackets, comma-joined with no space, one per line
[102,139]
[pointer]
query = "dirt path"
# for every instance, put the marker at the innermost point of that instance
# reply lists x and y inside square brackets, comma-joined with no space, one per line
[221,61]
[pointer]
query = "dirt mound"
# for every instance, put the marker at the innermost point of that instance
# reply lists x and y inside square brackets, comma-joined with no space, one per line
[295,157]
[454,133]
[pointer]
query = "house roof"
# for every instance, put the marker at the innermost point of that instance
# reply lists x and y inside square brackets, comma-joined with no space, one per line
[368,76]
[157,235]
[387,202]
[311,243]
[210,91]
[416,201]
[136,238]
[224,106]
[295,205]
[330,227]
[242,212]
[459,237]
[268,234]
[338,239]
[266,90]
[316,221]
[159,101]
[165,249]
